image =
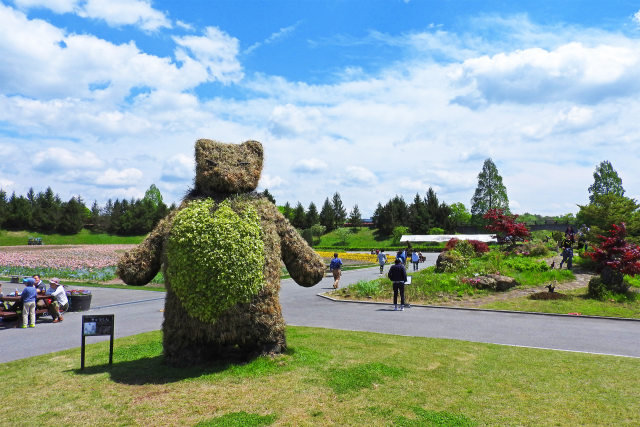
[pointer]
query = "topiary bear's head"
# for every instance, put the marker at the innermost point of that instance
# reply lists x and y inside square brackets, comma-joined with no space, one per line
[227,168]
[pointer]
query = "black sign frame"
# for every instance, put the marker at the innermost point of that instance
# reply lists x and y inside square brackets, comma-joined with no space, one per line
[97,325]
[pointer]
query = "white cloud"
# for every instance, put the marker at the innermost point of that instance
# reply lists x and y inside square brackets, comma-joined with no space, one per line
[215,50]
[125,12]
[178,168]
[119,178]
[280,34]
[6,184]
[357,175]
[270,182]
[57,6]
[61,158]
[636,17]
[572,72]
[312,165]
[114,13]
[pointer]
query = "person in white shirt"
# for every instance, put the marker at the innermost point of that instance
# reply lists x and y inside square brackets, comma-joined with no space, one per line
[60,301]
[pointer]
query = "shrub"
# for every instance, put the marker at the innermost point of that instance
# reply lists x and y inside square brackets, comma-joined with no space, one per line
[451,261]
[596,289]
[616,257]
[477,246]
[557,236]
[505,226]
[436,230]
[464,248]
[451,244]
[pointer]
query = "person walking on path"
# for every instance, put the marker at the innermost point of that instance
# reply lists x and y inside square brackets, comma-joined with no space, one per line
[382,260]
[415,259]
[567,253]
[29,303]
[336,268]
[398,275]
[60,301]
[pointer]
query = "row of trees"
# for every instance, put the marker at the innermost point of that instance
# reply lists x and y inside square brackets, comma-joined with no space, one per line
[419,217]
[45,212]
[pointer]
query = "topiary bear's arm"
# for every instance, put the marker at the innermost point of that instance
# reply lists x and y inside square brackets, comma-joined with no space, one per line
[142,263]
[304,265]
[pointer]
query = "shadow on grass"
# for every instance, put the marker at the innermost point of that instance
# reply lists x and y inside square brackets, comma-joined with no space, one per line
[153,370]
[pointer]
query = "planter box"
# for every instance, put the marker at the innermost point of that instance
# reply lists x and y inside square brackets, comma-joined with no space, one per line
[79,302]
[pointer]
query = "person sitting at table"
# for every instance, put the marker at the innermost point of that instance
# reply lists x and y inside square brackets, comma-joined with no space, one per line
[60,301]
[41,289]
[28,297]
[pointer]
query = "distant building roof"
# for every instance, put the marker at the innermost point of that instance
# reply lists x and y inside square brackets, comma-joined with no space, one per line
[420,238]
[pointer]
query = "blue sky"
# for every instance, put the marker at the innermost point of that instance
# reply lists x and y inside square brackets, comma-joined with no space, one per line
[368,98]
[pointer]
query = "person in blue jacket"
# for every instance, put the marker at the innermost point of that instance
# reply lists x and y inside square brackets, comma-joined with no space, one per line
[29,303]
[336,268]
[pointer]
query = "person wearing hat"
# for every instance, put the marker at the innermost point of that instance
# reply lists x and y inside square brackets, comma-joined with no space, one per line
[60,301]
[28,297]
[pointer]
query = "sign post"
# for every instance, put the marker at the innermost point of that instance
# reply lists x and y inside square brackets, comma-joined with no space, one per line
[96,325]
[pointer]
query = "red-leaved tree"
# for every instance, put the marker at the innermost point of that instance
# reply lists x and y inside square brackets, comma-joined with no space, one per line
[616,257]
[506,227]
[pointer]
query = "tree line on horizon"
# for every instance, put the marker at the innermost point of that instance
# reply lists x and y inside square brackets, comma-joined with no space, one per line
[45,212]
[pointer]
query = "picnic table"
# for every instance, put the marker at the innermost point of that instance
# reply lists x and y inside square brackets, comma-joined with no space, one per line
[8,314]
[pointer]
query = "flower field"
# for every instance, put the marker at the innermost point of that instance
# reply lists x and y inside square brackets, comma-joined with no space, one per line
[90,262]
[87,262]
[351,256]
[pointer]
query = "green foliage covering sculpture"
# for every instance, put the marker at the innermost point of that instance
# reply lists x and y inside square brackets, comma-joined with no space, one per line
[220,253]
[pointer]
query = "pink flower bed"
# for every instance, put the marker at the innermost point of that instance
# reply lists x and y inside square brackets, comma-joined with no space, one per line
[71,256]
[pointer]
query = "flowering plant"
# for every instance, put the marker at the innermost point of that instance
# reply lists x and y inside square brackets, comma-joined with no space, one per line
[74,292]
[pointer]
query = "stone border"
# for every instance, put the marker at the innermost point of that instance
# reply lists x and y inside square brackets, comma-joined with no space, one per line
[628,319]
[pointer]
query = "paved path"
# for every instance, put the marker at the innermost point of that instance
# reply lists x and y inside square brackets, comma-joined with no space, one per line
[141,311]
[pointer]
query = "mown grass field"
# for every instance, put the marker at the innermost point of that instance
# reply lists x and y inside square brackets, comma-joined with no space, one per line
[85,237]
[365,239]
[328,377]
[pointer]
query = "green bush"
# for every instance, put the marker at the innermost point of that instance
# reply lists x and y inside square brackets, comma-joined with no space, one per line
[525,264]
[465,248]
[451,261]
[597,289]
[366,288]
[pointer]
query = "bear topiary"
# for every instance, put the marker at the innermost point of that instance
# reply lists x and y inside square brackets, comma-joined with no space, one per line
[220,254]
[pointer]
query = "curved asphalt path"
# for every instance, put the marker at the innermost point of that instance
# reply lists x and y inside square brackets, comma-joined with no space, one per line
[138,311]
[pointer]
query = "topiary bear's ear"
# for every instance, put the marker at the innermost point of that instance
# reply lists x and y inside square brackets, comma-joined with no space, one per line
[255,147]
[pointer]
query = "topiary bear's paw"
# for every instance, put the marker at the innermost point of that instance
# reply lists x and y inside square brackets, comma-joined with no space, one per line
[141,264]
[303,264]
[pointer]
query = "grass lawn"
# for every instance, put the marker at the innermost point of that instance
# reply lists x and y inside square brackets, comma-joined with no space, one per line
[365,239]
[84,237]
[576,303]
[328,377]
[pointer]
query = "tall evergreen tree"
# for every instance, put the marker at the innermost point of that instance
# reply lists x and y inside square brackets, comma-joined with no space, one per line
[312,215]
[3,207]
[269,196]
[287,211]
[72,217]
[18,213]
[299,219]
[340,213]
[46,212]
[327,216]
[490,192]
[419,221]
[605,181]
[355,217]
